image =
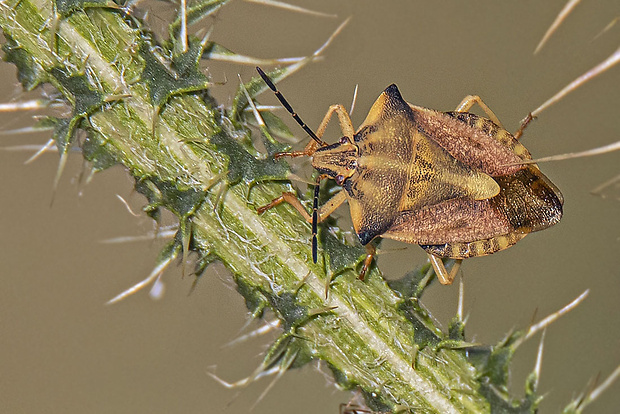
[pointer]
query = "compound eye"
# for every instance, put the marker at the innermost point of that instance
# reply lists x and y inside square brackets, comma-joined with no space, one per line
[339,179]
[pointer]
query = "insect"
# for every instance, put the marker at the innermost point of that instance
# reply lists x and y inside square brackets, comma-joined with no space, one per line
[452,182]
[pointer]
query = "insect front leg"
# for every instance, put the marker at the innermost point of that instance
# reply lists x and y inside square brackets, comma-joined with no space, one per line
[346,126]
[307,151]
[325,211]
[322,213]
[443,276]
[471,100]
[286,198]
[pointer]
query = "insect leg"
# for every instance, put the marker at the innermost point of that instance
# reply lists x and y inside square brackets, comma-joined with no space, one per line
[331,205]
[455,268]
[345,125]
[343,118]
[471,100]
[307,151]
[443,276]
[370,254]
[524,124]
[325,211]
[286,198]
[321,213]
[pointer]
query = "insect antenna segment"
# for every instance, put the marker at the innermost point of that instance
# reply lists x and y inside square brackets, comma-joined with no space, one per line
[288,106]
[315,201]
[315,218]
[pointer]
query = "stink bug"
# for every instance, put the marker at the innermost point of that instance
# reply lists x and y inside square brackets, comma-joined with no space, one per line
[452,182]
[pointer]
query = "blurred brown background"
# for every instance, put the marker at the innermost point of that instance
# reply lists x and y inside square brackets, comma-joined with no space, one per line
[62,350]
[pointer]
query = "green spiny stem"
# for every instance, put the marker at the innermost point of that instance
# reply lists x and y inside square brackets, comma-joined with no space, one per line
[186,157]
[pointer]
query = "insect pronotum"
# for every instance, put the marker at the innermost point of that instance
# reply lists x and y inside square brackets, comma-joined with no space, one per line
[451,182]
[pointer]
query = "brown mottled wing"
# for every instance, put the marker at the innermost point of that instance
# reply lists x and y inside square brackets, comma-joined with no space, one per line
[473,140]
[459,228]
[463,228]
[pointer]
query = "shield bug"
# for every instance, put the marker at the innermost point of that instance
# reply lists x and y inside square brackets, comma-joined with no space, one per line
[452,182]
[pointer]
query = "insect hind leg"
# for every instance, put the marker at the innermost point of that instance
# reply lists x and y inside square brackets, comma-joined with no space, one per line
[443,276]
[371,251]
[529,118]
[470,100]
